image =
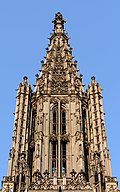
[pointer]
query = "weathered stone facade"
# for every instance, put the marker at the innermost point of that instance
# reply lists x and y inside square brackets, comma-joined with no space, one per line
[59,138]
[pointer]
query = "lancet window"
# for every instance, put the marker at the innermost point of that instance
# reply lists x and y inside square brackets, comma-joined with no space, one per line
[54,142]
[58,142]
[63,142]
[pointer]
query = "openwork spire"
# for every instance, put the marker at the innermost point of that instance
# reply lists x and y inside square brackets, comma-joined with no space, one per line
[59,70]
[58,23]
[59,138]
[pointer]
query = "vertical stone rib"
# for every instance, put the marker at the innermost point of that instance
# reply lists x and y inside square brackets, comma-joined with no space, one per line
[59,142]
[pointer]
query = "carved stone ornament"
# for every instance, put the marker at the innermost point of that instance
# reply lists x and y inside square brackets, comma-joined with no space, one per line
[52,137]
[65,137]
[58,83]
[12,151]
[72,99]
[78,136]
[59,87]
[64,100]
[112,188]
[41,83]
[8,187]
[8,184]
[41,182]
[79,183]
[77,83]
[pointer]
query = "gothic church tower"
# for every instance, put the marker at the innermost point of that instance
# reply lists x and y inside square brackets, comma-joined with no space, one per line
[59,138]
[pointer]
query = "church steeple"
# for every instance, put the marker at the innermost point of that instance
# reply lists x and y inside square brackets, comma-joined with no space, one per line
[59,138]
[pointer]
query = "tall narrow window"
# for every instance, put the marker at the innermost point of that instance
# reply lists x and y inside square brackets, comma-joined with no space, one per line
[54,121]
[63,142]
[54,143]
[58,140]
[54,155]
[63,157]
[96,178]
[63,122]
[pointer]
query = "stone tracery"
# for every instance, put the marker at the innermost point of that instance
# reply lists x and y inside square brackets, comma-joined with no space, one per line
[59,140]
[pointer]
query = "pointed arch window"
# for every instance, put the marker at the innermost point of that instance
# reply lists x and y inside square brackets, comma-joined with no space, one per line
[54,142]
[63,121]
[63,142]
[54,121]
[58,141]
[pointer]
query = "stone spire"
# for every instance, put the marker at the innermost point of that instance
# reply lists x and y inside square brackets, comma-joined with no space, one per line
[59,138]
[59,70]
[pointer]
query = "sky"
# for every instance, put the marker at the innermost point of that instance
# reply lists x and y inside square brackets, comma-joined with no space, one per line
[94,30]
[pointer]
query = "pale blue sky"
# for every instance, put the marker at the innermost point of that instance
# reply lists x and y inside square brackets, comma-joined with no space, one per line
[94,28]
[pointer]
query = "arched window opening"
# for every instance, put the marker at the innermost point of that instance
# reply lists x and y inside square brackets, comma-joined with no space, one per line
[58,139]
[54,157]
[96,178]
[54,142]
[23,178]
[63,142]
[54,122]
[63,122]
[63,157]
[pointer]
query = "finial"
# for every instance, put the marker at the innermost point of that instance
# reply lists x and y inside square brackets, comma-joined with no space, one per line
[58,23]
[42,62]
[58,19]
[25,78]
[46,174]
[75,62]
[81,77]
[93,79]
[37,76]
[73,173]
